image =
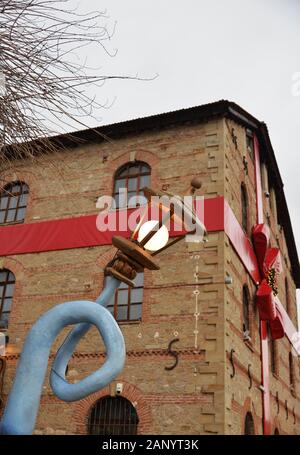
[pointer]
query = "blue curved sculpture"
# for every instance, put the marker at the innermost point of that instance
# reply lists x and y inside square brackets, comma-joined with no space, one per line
[23,403]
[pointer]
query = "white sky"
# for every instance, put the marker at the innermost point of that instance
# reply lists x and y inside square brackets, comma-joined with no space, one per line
[241,50]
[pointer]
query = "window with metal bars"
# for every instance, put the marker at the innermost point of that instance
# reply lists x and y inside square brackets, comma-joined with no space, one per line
[13,202]
[113,416]
[133,177]
[126,304]
[7,284]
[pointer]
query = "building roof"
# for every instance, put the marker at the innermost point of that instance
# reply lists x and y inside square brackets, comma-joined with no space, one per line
[199,114]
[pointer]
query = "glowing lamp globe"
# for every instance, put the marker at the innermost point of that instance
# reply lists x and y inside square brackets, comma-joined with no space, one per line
[151,236]
[159,239]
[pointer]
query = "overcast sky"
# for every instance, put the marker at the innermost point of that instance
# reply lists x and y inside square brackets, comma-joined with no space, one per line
[240,50]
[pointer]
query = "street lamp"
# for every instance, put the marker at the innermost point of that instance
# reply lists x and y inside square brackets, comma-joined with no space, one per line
[151,237]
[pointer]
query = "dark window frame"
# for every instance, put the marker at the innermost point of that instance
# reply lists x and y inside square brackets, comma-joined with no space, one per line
[244,206]
[114,304]
[126,172]
[14,203]
[246,310]
[113,416]
[9,280]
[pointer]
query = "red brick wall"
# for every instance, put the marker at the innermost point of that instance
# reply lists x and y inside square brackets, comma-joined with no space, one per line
[198,396]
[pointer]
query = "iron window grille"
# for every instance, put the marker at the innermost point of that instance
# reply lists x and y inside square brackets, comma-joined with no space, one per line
[113,416]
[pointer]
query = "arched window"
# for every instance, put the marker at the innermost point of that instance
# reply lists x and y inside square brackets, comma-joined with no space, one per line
[287,296]
[291,371]
[246,312]
[13,202]
[244,204]
[7,284]
[249,424]
[133,177]
[126,304]
[113,416]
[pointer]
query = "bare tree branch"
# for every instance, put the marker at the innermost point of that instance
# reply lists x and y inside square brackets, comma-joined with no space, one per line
[42,84]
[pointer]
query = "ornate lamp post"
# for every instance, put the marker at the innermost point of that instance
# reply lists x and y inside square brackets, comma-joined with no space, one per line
[133,255]
[149,238]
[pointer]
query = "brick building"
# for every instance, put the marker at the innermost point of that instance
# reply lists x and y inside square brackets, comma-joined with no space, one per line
[203,296]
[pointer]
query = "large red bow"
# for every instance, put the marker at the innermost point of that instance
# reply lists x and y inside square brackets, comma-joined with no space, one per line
[269,261]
